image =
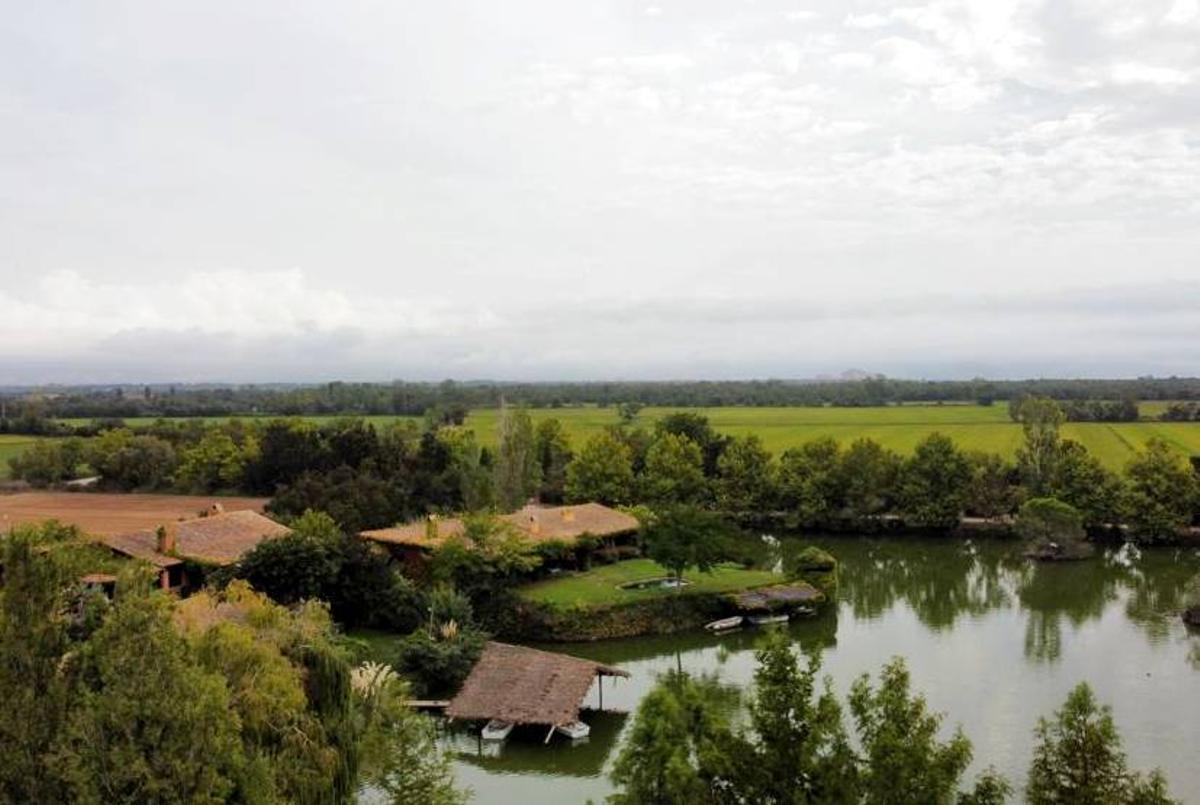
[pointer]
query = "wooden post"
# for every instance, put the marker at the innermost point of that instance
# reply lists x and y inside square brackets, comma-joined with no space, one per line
[600,680]
[550,734]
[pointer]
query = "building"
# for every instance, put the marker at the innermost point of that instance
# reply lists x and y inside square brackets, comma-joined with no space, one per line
[218,539]
[539,524]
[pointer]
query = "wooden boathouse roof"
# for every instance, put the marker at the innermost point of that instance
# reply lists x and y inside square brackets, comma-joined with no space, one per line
[526,686]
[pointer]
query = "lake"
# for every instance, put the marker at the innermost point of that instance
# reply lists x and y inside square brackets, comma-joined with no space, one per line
[992,640]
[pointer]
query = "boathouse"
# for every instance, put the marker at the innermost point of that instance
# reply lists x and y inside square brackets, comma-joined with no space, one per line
[523,685]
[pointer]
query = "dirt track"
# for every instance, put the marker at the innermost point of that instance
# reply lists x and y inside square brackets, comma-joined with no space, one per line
[104,514]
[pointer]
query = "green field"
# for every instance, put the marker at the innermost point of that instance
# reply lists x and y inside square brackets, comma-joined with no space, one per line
[973,427]
[601,585]
[12,445]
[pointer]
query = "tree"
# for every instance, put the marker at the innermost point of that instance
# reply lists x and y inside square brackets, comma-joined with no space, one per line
[477,479]
[517,470]
[686,536]
[148,725]
[131,461]
[1082,481]
[933,483]
[990,492]
[745,477]
[1078,759]
[628,411]
[1053,529]
[485,560]
[810,483]
[904,762]
[1161,494]
[34,636]
[656,766]
[554,454]
[674,471]
[1040,419]
[215,462]
[401,756]
[602,472]
[697,428]
[869,474]
[47,462]
[800,750]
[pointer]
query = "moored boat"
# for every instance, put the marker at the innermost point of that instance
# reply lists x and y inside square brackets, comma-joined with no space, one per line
[724,624]
[574,730]
[497,730]
[763,620]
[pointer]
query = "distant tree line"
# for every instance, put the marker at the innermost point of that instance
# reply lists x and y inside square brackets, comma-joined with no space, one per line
[450,398]
[369,477]
[1182,412]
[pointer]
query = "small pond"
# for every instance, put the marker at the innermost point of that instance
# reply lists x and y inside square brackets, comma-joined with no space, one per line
[665,583]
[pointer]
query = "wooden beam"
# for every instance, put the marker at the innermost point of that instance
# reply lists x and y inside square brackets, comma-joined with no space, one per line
[550,734]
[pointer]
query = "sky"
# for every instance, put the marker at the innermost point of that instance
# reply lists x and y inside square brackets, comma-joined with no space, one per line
[303,191]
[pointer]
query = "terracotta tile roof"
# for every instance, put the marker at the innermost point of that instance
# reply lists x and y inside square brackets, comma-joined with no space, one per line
[538,523]
[526,686]
[219,539]
[140,545]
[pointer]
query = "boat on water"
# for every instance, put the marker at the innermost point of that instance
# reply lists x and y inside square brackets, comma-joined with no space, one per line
[763,620]
[724,624]
[804,612]
[497,730]
[574,730]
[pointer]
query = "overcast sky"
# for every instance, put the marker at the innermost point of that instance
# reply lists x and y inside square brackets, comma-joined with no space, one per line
[541,190]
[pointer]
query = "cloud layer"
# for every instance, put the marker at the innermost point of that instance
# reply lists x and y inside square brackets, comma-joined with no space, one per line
[542,189]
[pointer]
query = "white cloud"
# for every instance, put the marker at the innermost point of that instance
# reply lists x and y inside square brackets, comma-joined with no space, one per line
[866,21]
[1139,73]
[424,189]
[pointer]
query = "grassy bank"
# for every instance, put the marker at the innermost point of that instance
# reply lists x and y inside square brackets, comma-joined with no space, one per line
[601,586]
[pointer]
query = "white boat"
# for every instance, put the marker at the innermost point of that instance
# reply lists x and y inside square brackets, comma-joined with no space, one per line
[575,730]
[497,730]
[724,624]
[762,620]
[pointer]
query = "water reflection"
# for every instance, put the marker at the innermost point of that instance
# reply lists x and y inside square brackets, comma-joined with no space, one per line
[943,582]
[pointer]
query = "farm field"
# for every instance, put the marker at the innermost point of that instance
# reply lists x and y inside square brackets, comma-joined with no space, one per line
[972,427]
[107,514]
[10,446]
[599,585]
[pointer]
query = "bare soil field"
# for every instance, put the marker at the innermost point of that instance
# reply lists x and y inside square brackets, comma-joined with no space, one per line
[104,514]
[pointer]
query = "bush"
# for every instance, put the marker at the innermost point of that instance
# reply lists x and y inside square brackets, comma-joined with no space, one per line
[439,662]
[813,558]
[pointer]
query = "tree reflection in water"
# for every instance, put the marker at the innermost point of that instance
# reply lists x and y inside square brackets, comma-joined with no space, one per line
[942,580]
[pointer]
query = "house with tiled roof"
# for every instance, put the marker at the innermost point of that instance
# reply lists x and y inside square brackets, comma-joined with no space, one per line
[217,539]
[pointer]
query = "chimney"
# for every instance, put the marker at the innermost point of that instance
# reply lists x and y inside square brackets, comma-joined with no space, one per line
[165,542]
[534,526]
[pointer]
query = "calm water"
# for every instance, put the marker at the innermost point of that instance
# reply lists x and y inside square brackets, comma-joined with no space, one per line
[992,640]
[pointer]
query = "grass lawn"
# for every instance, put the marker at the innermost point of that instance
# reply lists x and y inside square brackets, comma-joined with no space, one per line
[599,586]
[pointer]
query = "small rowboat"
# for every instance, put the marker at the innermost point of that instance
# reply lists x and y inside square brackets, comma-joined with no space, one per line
[497,730]
[575,730]
[725,624]
[763,620]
